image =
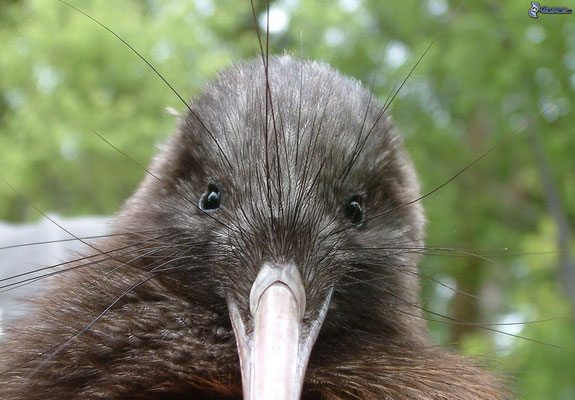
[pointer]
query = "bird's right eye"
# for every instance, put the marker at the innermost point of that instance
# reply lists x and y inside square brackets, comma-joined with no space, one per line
[210,199]
[354,210]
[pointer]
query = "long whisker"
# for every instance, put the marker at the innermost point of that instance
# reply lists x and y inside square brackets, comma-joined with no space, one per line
[53,351]
[194,204]
[498,144]
[107,235]
[35,278]
[454,321]
[185,103]
[396,92]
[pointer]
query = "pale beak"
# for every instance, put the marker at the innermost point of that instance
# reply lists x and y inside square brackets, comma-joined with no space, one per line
[275,353]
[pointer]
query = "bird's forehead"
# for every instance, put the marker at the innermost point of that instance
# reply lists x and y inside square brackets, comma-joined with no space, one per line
[295,100]
[307,137]
[303,122]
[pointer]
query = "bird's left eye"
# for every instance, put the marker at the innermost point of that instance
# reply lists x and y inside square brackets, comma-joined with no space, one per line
[354,210]
[210,199]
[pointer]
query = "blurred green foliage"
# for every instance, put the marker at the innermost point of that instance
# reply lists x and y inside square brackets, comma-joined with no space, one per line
[489,71]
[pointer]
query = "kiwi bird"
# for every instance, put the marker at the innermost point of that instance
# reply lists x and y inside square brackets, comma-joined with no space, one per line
[262,257]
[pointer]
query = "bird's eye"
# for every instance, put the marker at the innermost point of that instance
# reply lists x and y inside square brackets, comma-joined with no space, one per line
[210,199]
[354,210]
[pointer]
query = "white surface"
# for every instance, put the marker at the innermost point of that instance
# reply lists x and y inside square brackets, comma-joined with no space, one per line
[27,258]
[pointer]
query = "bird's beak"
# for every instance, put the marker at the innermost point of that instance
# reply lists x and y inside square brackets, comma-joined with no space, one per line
[275,351]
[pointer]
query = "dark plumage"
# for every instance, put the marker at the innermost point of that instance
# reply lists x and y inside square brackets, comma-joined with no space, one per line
[311,177]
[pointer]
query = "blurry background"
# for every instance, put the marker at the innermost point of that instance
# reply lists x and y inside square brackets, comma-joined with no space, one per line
[490,71]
